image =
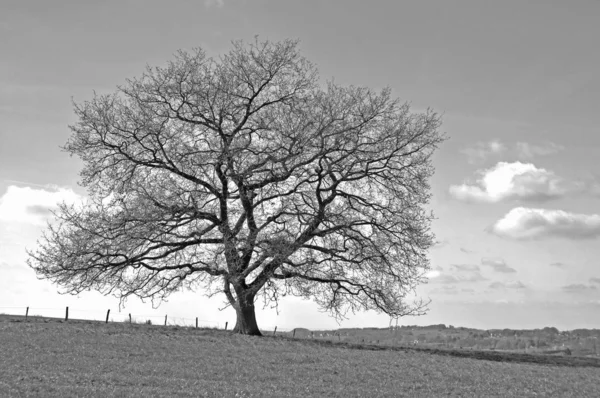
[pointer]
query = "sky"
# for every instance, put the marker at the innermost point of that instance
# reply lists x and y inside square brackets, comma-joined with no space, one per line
[516,192]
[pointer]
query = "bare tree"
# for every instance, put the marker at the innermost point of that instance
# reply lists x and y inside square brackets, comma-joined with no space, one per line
[243,175]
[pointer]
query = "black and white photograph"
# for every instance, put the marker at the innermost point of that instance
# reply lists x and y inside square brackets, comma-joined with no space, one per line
[299,198]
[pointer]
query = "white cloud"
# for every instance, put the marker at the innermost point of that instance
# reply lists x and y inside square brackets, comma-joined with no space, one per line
[528,151]
[516,180]
[482,150]
[497,264]
[434,272]
[526,223]
[33,206]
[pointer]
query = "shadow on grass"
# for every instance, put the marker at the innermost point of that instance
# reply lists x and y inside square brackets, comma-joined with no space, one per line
[496,356]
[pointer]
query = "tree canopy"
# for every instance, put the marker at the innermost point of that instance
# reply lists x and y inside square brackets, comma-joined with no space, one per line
[244,175]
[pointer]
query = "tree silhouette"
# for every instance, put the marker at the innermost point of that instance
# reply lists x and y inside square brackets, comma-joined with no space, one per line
[243,175]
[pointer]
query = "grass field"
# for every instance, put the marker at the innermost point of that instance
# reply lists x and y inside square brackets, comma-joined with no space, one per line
[51,358]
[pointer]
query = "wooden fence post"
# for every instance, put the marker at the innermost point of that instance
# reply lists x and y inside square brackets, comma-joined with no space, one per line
[196,322]
[275,331]
[107,314]
[67,314]
[26,313]
[129,318]
[165,320]
[339,337]
[294,334]
[226,325]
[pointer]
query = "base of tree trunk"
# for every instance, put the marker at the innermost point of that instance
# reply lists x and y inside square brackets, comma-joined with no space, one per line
[246,331]
[246,321]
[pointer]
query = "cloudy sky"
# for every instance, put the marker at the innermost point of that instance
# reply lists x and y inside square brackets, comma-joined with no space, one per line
[517,186]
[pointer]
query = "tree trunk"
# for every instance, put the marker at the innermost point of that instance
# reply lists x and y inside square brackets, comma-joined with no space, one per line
[246,317]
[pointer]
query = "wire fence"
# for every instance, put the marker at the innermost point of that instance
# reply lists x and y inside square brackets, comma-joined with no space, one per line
[106,316]
[74,314]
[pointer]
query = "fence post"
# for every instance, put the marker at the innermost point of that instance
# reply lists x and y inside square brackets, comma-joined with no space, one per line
[294,334]
[226,325]
[165,320]
[196,322]
[26,313]
[275,331]
[107,314]
[129,318]
[67,314]
[339,337]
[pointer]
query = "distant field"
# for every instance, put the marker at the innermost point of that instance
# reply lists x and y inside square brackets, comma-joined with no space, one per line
[51,358]
[578,342]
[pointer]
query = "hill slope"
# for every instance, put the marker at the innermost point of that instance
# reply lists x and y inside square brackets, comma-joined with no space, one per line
[51,358]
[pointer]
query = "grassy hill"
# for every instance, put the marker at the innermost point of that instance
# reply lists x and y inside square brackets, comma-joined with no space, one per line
[51,358]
